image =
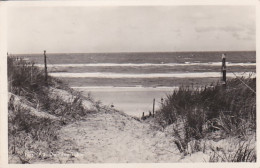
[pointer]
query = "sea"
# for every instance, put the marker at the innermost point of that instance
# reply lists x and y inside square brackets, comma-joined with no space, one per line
[130,81]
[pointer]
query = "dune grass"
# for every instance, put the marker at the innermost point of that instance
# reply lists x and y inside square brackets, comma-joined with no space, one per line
[31,137]
[244,153]
[199,112]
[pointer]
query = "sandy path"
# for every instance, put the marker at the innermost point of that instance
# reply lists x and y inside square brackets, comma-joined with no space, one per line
[113,138]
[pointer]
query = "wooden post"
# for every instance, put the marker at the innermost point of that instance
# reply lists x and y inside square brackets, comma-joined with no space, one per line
[142,118]
[31,74]
[224,69]
[45,68]
[153,106]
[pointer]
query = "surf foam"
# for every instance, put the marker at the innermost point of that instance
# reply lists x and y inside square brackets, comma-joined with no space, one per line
[146,64]
[154,75]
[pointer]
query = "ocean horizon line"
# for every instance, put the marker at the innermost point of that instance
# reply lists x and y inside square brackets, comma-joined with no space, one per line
[126,52]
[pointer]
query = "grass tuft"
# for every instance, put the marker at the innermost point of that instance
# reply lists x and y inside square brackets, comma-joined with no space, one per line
[244,153]
[196,113]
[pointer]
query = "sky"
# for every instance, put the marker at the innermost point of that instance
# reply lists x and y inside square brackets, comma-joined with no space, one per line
[76,29]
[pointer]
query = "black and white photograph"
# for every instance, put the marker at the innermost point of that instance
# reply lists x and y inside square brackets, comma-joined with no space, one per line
[130,83]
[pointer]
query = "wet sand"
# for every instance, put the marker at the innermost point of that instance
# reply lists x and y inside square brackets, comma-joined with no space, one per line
[132,101]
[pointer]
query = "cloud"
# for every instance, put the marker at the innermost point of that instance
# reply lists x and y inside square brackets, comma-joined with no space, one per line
[212,28]
[243,36]
[239,33]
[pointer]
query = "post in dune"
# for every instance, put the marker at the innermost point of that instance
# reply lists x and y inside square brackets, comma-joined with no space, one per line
[153,106]
[223,69]
[45,68]
[31,75]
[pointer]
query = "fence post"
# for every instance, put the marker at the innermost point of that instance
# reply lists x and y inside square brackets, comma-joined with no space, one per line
[45,68]
[153,106]
[223,69]
[31,74]
[142,118]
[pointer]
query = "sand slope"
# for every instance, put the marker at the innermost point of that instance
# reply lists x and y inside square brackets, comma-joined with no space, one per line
[110,137]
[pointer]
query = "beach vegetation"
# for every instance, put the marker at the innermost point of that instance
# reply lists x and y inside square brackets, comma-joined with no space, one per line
[212,112]
[37,109]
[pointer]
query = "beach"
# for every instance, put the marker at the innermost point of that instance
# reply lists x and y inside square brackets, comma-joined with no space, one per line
[130,81]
